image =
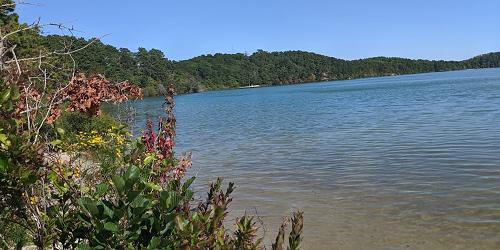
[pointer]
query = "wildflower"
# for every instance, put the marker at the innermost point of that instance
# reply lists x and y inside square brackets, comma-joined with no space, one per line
[120,140]
[76,173]
[96,140]
[33,200]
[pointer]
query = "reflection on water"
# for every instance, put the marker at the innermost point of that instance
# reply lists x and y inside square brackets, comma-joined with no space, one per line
[384,163]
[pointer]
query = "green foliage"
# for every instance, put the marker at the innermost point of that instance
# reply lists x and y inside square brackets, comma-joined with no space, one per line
[128,210]
[15,236]
[74,123]
[13,179]
[132,216]
[6,14]
[138,200]
[295,237]
[151,69]
[80,182]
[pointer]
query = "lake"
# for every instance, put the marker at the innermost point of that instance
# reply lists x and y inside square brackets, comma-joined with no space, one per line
[403,162]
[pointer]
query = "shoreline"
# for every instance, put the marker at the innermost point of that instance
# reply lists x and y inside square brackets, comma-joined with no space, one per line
[320,81]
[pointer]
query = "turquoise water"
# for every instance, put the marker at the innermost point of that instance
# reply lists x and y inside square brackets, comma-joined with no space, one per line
[381,163]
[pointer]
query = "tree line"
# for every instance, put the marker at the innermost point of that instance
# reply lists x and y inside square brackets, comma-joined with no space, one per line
[152,70]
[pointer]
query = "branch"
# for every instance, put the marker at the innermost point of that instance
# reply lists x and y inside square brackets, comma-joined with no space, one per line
[8,5]
[49,109]
[15,58]
[29,27]
[18,223]
[46,55]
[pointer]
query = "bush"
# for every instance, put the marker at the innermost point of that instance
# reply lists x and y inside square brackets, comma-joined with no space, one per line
[73,123]
[121,193]
[70,178]
[15,236]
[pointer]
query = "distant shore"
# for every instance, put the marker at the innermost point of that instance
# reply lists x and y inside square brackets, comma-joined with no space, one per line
[322,81]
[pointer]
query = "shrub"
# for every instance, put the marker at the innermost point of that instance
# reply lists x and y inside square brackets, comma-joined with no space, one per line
[137,200]
[77,179]
[73,123]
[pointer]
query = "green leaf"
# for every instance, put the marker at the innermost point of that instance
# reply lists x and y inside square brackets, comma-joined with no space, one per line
[139,201]
[131,176]
[30,178]
[188,195]
[84,247]
[61,186]
[60,131]
[88,205]
[4,141]
[55,142]
[131,195]
[170,200]
[15,93]
[107,210]
[132,173]
[153,186]
[119,183]
[110,226]
[5,95]
[180,223]
[101,189]
[154,243]
[3,165]
[187,184]
[52,176]
[175,199]
[149,158]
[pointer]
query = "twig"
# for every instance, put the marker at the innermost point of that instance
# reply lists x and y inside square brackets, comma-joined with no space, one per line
[15,58]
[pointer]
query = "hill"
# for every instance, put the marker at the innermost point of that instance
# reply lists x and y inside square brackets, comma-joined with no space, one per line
[151,70]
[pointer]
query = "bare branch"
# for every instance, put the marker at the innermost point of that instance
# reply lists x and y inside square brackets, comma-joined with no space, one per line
[29,27]
[49,110]
[47,55]
[9,5]
[15,58]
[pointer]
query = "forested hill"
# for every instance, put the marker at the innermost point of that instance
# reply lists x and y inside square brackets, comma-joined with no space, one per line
[150,69]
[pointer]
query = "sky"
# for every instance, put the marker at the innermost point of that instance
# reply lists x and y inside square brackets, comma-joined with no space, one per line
[350,29]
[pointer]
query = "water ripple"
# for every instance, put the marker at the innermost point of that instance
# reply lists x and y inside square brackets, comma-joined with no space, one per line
[382,163]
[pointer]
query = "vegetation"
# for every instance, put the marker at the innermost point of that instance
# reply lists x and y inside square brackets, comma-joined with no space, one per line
[149,69]
[69,180]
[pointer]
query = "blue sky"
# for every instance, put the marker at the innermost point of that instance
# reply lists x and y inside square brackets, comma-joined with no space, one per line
[351,29]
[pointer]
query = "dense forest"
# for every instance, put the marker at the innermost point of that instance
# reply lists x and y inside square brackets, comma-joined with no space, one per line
[151,70]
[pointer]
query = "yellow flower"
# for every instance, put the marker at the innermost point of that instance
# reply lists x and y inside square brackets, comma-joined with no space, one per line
[96,140]
[33,200]
[119,140]
[76,172]
[118,153]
